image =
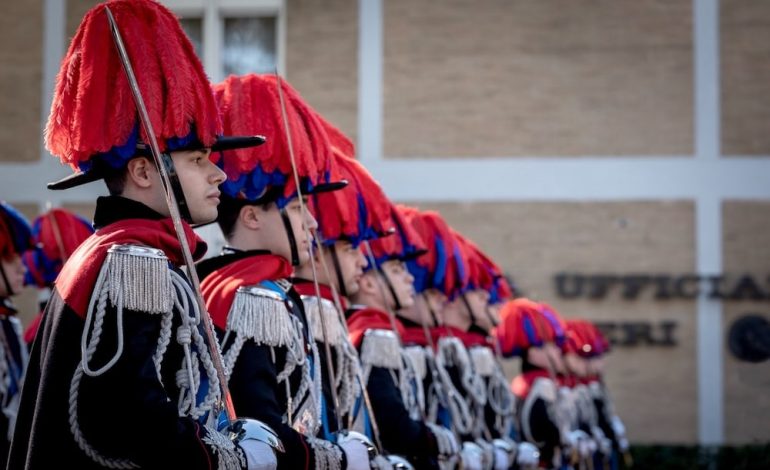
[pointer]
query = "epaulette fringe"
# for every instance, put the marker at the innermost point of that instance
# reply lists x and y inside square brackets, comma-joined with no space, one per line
[314,308]
[260,314]
[483,360]
[380,348]
[138,278]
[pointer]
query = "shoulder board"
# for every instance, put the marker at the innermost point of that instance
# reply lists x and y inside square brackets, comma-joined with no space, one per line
[483,360]
[314,308]
[380,348]
[260,314]
[597,391]
[278,286]
[451,351]
[543,388]
[139,277]
[416,355]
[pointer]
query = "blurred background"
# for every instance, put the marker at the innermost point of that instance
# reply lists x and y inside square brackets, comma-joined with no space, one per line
[612,155]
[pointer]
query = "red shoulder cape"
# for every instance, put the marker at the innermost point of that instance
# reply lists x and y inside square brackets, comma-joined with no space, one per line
[369,319]
[468,339]
[414,335]
[218,288]
[78,276]
[306,287]
[522,383]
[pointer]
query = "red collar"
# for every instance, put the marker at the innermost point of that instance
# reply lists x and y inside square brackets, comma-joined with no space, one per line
[78,276]
[307,287]
[369,319]
[469,339]
[218,288]
[522,383]
[414,335]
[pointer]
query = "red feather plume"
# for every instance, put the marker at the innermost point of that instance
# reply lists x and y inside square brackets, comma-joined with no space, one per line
[250,104]
[93,111]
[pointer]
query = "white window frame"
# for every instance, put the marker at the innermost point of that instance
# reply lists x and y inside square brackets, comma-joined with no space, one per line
[213,14]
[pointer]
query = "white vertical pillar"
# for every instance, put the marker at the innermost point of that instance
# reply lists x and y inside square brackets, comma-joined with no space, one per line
[370,57]
[213,41]
[54,46]
[708,223]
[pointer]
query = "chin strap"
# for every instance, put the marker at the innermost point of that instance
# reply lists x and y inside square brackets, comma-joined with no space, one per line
[397,303]
[338,271]
[290,236]
[432,312]
[470,313]
[176,187]
[8,289]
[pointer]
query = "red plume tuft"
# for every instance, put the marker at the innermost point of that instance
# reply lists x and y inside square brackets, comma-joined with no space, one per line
[251,104]
[358,212]
[525,323]
[93,111]
[59,232]
[405,244]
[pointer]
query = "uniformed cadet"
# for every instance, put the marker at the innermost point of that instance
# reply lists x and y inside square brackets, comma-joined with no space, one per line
[120,375]
[269,349]
[345,219]
[56,234]
[15,241]
[535,333]
[394,387]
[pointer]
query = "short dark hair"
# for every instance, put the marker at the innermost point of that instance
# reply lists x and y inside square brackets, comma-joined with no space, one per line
[230,209]
[116,182]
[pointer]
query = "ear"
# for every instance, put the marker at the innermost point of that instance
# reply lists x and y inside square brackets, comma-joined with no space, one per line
[250,217]
[140,172]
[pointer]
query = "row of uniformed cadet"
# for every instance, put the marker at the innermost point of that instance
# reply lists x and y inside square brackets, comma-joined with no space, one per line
[350,333]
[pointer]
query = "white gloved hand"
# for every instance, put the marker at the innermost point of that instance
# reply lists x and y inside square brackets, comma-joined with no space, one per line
[618,426]
[573,438]
[472,456]
[380,462]
[356,454]
[623,444]
[604,444]
[487,453]
[586,448]
[259,456]
[501,459]
[527,455]
[399,463]
[505,452]
[445,440]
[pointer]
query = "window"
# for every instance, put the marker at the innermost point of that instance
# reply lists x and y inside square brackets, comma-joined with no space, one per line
[249,45]
[194,29]
[234,36]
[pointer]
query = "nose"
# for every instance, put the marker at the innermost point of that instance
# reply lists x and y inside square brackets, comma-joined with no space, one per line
[218,175]
[361,258]
[310,222]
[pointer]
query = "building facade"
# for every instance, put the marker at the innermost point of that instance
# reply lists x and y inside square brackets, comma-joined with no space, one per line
[613,156]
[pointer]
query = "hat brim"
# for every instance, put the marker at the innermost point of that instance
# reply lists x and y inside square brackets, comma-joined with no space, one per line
[326,187]
[97,172]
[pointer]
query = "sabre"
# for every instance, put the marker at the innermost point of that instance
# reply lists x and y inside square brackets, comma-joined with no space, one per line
[303,209]
[389,311]
[171,201]
[381,286]
[364,392]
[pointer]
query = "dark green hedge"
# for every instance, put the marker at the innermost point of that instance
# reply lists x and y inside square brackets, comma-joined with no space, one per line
[750,457]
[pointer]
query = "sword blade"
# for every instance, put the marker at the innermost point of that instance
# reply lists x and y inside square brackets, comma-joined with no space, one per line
[173,208]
